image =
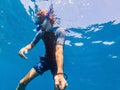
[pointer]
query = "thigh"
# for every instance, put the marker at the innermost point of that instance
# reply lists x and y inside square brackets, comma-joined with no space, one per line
[30,75]
[42,66]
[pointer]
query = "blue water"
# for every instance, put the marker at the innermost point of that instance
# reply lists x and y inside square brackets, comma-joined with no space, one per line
[92,54]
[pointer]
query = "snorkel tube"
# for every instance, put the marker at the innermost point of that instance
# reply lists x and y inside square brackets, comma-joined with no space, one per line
[39,27]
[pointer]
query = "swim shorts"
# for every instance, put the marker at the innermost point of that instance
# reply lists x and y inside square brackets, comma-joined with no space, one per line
[46,64]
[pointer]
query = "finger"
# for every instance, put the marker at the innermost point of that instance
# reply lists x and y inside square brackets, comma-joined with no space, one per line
[26,51]
[66,84]
[63,85]
[57,88]
[56,84]
[22,55]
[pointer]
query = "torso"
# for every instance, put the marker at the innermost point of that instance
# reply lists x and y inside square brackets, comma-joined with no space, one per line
[49,40]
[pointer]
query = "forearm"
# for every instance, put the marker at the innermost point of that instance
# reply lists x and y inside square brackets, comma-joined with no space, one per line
[29,46]
[60,82]
[59,59]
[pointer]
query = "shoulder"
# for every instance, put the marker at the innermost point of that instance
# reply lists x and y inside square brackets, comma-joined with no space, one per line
[59,31]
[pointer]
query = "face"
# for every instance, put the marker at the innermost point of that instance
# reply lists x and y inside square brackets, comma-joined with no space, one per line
[41,15]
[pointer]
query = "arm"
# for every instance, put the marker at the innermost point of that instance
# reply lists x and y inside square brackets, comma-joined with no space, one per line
[60,81]
[59,58]
[25,50]
[59,49]
[31,45]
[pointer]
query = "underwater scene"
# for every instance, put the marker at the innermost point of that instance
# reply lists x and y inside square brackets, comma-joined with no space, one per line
[92,44]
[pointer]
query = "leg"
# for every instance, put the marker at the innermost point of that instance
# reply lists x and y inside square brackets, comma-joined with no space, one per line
[23,82]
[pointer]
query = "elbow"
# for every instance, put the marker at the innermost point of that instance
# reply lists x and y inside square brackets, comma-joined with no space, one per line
[59,55]
[59,52]
[32,45]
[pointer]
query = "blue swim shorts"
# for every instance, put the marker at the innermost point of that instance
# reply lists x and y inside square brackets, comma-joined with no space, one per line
[46,64]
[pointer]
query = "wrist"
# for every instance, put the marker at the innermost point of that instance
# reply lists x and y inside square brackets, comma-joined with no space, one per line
[60,70]
[59,73]
[63,74]
[26,48]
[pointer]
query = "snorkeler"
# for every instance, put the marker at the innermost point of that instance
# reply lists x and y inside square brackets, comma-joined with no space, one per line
[53,38]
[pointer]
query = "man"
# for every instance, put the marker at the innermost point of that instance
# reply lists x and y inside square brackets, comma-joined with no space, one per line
[53,38]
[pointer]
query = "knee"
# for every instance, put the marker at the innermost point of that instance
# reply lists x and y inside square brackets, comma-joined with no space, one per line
[22,82]
[21,85]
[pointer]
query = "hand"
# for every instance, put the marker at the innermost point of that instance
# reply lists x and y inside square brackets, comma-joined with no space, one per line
[22,51]
[60,82]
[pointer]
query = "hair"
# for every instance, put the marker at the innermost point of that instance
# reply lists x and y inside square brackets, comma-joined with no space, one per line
[41,14]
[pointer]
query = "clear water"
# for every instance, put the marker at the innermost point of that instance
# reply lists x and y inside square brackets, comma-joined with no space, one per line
[92,54]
